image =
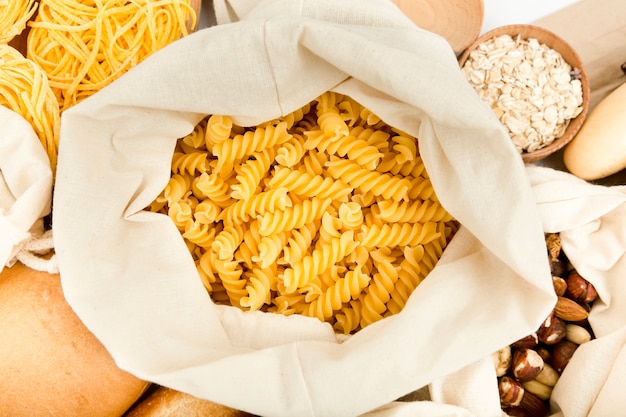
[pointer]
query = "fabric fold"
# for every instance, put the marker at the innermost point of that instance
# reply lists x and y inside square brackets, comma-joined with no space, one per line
[25,185]
[129,277]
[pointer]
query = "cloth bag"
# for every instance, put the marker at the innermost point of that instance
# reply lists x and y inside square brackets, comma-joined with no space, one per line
[128,274]
[25,191]
[591,220]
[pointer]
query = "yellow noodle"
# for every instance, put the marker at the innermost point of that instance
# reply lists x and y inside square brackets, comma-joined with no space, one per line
[13,17]
[85,45]
[24,89]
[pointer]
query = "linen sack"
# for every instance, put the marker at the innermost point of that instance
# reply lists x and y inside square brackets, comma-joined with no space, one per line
[591,220]
[25,192]
[129,276]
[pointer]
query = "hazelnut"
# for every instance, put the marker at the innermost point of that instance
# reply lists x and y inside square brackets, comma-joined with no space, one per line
[529,341]
[552,330]
[517,412]
[535,406]
[545,353]
[502,360]
[558,267]
[511,391]
[560,285]
[579,289]
[526,365]
[562,353]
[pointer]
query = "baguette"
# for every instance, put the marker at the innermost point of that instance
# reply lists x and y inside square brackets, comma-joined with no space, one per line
[51,364]
[166,402]
[599,148]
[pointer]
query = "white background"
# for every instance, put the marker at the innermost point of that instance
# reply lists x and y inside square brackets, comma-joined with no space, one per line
[505,12]
[497,12]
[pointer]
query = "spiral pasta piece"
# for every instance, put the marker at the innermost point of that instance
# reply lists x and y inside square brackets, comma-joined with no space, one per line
[313,163]
[328,101]
[261,281]
[298,243]
[389,164]
[384,185]
[422,188]
[248,249]
[190,163]
[413,211]
[369,118]
[261,204]
[177,188]
[374,302]
[332,125]
[206,212]
[291,152]
[410,275]
[218,129]
[269,249]
[194,141]
[350,318]
[349,110]
[351,215]
[293,217]
[227,241]
[205,264]
[376,138]
[406,148]
[307,185]
[231,276]
[212,186]
[398,234]
[320,260]
[230,151]
[345,289]
[357,150]
[251,173]
[201,234]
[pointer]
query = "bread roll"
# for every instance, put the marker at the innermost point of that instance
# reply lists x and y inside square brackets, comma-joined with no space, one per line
[51,364]
[599,148]
[166,402]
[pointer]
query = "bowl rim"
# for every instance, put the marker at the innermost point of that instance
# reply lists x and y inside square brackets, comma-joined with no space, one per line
[569,54]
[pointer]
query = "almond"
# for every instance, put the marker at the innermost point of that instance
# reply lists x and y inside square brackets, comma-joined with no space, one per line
[569,310]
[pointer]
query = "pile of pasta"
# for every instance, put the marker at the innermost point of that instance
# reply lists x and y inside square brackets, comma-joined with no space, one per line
[14,14]
[326,212]
[83,46]
[24,89]
[74,48]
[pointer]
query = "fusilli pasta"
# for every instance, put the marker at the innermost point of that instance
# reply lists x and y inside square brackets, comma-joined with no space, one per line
[326,212]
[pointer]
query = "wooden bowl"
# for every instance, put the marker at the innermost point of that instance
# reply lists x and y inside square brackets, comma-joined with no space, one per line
[556,43]
[459,22]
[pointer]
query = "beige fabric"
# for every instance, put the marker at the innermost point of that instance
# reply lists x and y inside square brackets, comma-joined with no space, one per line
[128,275]
[25,185]
[592,223]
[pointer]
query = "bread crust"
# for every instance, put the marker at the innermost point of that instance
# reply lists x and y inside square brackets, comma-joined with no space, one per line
[166,402]
[52,365]
[599,148]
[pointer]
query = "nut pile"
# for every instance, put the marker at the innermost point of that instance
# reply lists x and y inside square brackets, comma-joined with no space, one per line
[531,88]
[529,368]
